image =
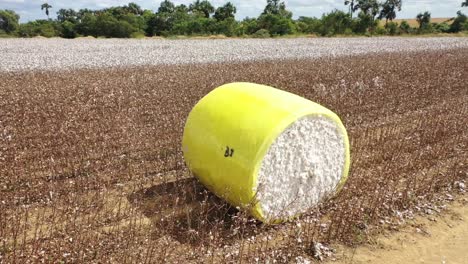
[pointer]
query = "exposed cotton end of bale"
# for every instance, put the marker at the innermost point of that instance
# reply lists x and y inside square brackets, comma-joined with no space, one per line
[302,167]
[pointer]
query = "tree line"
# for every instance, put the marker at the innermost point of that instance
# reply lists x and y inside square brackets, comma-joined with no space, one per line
[202,18]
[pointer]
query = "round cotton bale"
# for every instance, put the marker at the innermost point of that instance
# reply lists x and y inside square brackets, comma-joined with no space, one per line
[271,152]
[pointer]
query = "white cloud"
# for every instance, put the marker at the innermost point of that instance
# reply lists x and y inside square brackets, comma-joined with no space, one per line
[11,1]
[30,9]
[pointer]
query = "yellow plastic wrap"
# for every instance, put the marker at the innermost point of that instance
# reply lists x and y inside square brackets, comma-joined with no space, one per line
[229,131]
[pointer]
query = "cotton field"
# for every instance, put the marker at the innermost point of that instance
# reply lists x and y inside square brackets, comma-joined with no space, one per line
[91,165]
[60,54]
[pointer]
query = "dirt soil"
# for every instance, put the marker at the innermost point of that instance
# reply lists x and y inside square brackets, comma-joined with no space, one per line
[441,239]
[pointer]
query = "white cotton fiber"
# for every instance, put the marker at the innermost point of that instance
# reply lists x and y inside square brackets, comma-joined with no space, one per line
[303,165]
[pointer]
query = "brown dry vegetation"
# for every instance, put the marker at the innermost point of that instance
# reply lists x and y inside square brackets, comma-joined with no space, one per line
[414,23]
[91,167]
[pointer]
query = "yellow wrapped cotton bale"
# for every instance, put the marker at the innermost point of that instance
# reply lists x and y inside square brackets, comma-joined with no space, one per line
[271,152]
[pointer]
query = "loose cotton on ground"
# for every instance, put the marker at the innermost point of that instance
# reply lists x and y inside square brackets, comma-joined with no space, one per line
[268,151]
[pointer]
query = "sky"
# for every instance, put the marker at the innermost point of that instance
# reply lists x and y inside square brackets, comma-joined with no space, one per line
[30,9]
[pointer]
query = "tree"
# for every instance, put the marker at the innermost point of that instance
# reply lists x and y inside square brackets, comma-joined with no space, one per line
[133,8]
[389,8]
[120,11]
[202,7]
[166,6]
[392,28]
[272,7]
[369,7]
[67,15]
[275,7]
[248,26]
[46,6]
[45,28]
[109,26]
[276,24]
[366,17]
[167,18]
[423,19]
[87,25]
[335,22]
[227,27]
[352,6]
[309,24]
[364,23]
[82,12]
[464,3]
[276,19]
[136,21]
[405,27]
[182,9]
[160,24]
[443,27]
[458,23]
[9,21]
[68,29]
[225,12]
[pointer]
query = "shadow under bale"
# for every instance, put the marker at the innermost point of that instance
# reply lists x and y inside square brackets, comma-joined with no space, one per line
[189,213]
